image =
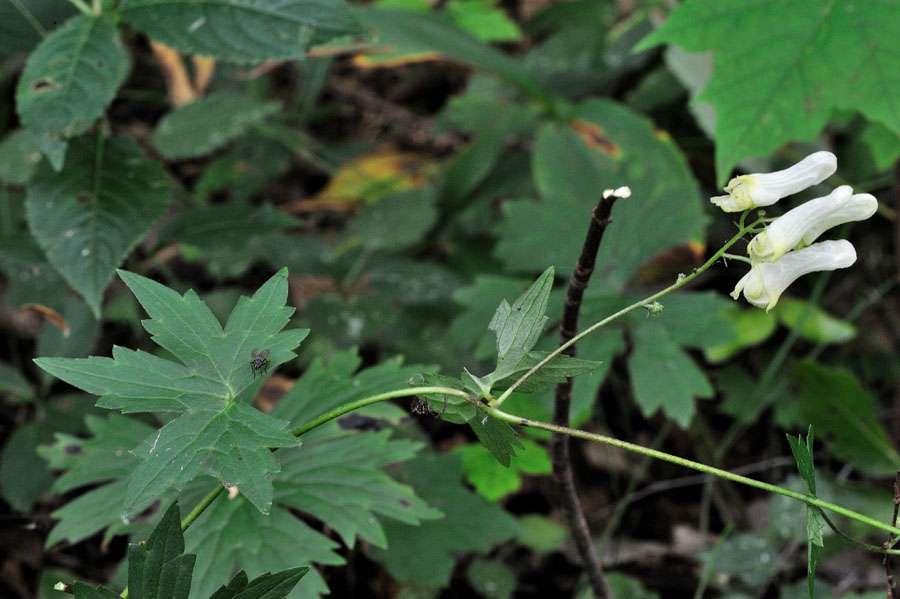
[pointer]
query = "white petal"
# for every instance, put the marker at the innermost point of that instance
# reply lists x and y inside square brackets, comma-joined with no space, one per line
[788,230]
[766,281]
[860,207]
[764,189]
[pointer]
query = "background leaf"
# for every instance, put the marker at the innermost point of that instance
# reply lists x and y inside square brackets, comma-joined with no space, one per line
[842,49]
[242,30]
[208,123]
[64,210]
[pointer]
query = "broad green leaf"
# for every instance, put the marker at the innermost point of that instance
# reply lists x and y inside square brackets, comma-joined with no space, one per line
[490,478]
[24,23]
[208,123]
[541,534]
[228,238]
[159,568]
[498,438]
[604,146]
[232,535]
[519,326]
[89,513]
[425,553]
[812,322]
[247,31]
[13,384]
[663,376]
[216,434]
[24,476]
[883,144]
[751,558]
[844,416]
[105,455]
[411,32]
[470,166]
[89,216]
[71,77]
[395,222]
[842,49]
[492,578]
[483,19]
[340,481]
[19,155]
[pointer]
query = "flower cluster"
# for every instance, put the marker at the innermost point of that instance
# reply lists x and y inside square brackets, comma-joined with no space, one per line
[786,250]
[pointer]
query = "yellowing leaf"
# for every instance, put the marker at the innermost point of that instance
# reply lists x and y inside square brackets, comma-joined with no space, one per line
[371,177]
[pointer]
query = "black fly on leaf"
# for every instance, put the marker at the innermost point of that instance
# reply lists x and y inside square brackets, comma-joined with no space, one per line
[259,361]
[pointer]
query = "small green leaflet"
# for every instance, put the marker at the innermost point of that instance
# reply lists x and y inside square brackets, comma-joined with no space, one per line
[246,31]
[517,329]
[70,78]
[815,521]
[782,66]
[216,433]
[160,569]
[88,216]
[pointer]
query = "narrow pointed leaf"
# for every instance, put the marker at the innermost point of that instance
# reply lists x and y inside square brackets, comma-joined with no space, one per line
[160,569]
[273,585]
[519,326]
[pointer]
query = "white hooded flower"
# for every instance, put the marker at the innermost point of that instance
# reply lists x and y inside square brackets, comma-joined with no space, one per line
[763,189]
[801,226]
[766,281]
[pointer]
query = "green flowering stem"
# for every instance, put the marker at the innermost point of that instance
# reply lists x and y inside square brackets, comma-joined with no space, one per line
[646,302]
[324,419]
[666,457]
[82,7]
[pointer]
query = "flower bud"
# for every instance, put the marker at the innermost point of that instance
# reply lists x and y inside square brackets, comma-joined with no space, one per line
[763,189]
[766,281]
[801,226]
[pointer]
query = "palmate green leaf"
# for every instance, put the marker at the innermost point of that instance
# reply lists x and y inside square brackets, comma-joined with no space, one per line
[247,31]
[89,216]
[605,146]
[426,553]
[781,67]
[71,77]
[216,433]
[815,521]
[208,123]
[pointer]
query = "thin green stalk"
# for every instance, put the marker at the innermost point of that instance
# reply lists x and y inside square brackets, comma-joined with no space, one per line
[361,403]
[682,280]
[807,499]
[82,7]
